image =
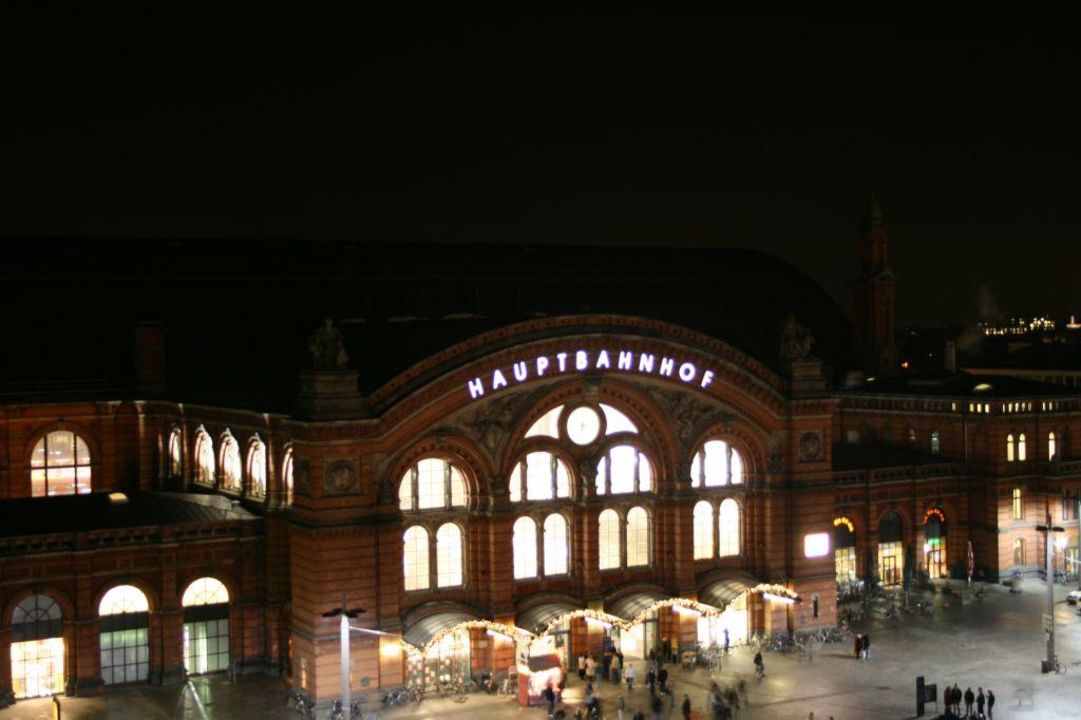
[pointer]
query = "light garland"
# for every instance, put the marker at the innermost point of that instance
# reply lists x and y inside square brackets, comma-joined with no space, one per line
[512,632]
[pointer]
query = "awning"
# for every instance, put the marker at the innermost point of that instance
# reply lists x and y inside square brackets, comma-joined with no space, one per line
[422,631]
[536,618]
[628,606]
[722,592]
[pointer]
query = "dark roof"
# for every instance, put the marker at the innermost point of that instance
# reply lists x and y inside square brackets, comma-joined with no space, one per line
[238,313]
[95,511]
[1039,356]
[963,384]
[865,456]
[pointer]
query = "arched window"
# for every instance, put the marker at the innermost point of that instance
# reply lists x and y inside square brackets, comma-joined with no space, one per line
[935,442]
[60,465]
[230,463]
[624,469]
[546,477]
[617,422]
[1021,454]
[433,483]
[125,635]
[525,548]
[206,626]
[448,556]
[174,453]
[1009,448]
[703,531]
[728,526]
[415,559]
[204,458]
[37,648]
[637,537]
[257,468]
[287,476]
[556,545]
[1018,552]
[1051,446]
[608,541]
[715,464]
[547,425]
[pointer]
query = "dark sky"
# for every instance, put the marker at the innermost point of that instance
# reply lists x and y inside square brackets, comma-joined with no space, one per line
[630,128]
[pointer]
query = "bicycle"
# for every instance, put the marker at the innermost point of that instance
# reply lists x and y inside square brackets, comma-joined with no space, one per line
[396,697]
[302,704]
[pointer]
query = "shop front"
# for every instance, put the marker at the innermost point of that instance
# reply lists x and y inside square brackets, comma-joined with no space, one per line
[440,650]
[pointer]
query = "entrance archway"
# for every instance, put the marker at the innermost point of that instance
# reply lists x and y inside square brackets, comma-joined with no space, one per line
[935,558]
[844,551]
[37,648]
[125,635]
[891,562]
[206,626]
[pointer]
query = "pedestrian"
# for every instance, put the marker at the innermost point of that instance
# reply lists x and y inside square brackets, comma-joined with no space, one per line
[550,696]
[631,674]
[656,706]
[990,705]
[639,715]
[619,707]
[726,641]
[866,646]
[759,666]
[662,679]
[859,646]
[969,699]
[957,697]
[651,678]
[581,666]
[591,669]
[980,700]
[686,707]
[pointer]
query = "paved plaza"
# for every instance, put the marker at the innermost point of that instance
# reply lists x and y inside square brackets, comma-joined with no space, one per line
[995,642]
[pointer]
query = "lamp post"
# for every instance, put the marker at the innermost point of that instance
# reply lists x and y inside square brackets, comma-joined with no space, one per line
[1049,530]
[345,613]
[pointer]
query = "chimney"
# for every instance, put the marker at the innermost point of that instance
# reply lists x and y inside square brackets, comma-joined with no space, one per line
[150,360]
[950,359]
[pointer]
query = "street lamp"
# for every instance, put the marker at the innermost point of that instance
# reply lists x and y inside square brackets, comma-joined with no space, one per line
[1048,663]
[345,613]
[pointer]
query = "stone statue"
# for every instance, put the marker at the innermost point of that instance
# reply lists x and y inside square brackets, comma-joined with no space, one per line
[326,346]
[796,340]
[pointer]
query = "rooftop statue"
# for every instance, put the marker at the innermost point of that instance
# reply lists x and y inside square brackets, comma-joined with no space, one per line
[796,340]
[326,345]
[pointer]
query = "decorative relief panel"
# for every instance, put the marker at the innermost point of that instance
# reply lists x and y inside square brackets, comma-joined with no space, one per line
[340,478]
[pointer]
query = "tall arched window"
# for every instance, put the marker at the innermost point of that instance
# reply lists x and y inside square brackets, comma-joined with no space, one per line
[448,560]
[1051,446]
[257,468]
[703,531]
[433,483]
[608,541]
[415,559]
[60,465]
[174,453]
[624,469]
[728,527]
[1009,448]
[125,635]
[204,458]
[287,476]
[637,537]
[715,464]
[936,443]
[206,626]
[546,478]
[556,545]
[1021,453]
[37,648]
[525,548]
[230,463]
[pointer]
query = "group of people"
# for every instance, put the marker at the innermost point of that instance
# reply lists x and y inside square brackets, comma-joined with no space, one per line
[953,697]
[610,666]
[724,702]
[863,646]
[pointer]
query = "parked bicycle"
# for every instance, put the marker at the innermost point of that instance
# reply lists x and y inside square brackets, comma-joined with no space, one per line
[302,704]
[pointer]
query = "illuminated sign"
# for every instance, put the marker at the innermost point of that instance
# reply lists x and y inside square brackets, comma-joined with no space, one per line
[816,545]
[934,512]
[837,522]
[561,363]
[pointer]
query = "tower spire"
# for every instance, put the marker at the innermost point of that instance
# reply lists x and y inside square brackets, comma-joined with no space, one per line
[874,289]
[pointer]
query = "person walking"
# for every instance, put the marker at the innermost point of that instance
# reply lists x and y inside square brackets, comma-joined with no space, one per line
[631,674]
[591,669]
[620,705]
[656,706]
[759,666]
[581,667]
[651,678]
[969,699]
[550,697]
[866,646]
[990,705]
[662,679]
[726,641]
[980,700]
[858,645]
[686,707]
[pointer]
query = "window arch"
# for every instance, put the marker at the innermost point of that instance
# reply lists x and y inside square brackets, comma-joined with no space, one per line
[1009,448]
[1051,446]
[1021,452]
[448,555]
[174,453]
[608,540]
[525,548]
[124,639]
[539,476]
[205,591]
[703,531]
[230,463]
[728,528]
[556,545]
[287,476]
[716,463]
[206,626]
[638,545]
[204,458]
[257,468]
[415,559]
[431,484]
[624,469]
[60,465]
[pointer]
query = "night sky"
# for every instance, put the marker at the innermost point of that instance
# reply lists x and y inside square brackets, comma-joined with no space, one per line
[632,128]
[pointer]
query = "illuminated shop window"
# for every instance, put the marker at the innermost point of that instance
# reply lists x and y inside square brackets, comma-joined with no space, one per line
[703,531]
[124,640]
[37,648]
[206,626]
[1021,453]
[728,525]
[287,475]
[890,549]
[1051,446]
[174,453]
[715,464]
[60,465]
[1009,448]
[546,478]
[204,458]
[556,545]
[936,442]
[547,425]
[624,469]
[448,556]
[608,539]
[230,463]
[525,548]
[257,468]
[415,559]
[637,537]
[616,422]
[433,483]
[844,550]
